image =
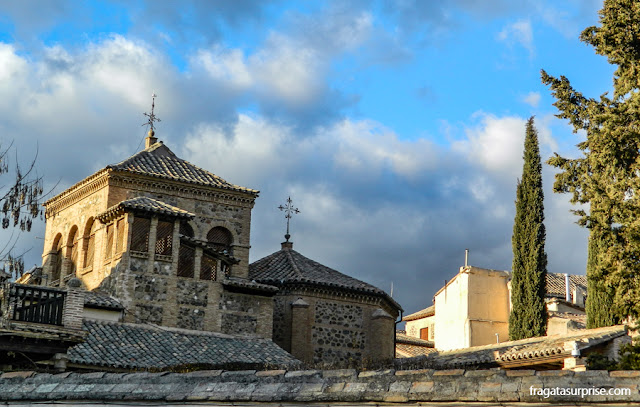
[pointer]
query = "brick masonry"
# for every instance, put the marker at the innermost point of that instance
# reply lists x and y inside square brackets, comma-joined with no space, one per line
[487,387]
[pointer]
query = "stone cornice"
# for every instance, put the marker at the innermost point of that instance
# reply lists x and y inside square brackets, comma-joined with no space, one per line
[76,192]
[337,293]
[127,180]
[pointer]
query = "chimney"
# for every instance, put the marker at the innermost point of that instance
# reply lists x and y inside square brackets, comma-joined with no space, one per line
[567,289]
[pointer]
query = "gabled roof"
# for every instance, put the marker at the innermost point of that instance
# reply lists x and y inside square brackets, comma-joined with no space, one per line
[427,312]
[136,346]
[147,205]
[556,284]
[287,266]
[159,161]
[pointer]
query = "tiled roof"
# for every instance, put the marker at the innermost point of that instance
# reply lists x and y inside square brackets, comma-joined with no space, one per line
[159,161]
[408,346]
[133,346]
[427,312]
[145,204]
[524,350]
[287,266]
[95,299]
[556,284]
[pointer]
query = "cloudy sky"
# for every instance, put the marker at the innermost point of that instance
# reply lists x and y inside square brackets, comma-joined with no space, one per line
[396,127]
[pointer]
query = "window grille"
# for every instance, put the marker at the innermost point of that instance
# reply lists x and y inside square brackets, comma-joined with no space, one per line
[88,255]
[109,241]
[140,234]
[164,238]
[220,238]
[74,254]
[57,265]
[186,261]
[208,267]
[37,304]
[89,242]
[119,235]
[186,229]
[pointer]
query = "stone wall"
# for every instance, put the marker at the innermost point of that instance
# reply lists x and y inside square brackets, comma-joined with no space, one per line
[403,387]
[331,330]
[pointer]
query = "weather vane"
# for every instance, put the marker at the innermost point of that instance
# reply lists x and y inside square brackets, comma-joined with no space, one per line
[152,117]
[289,210]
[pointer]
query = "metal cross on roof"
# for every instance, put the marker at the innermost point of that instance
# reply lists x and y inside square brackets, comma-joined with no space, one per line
[152,117]
[288,209]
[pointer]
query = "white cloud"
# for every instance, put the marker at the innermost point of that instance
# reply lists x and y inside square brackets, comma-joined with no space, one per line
[519,32]
[225,65]
[495,144]
[532,99]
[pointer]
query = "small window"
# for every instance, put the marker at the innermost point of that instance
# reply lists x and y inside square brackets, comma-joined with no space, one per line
[109,248]
[424,334]
[186,261]
[164,238]
[186,229]
[89,243]
[73,242]
[220,238]
[140,234]
[208,268]
[119,235]
[57,260]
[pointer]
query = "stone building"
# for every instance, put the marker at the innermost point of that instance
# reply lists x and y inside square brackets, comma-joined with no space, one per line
[157,241]
[167,239]
[324,316]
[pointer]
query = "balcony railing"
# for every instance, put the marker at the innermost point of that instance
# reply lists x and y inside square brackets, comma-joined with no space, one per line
[36,304]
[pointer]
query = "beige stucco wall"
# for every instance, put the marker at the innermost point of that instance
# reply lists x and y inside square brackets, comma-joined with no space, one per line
[452,310]
[413,327]
[471,309]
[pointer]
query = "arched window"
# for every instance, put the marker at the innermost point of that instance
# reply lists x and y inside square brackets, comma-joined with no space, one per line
[57,258]
[186,229]
[220,238]
[72,250]
[89,240]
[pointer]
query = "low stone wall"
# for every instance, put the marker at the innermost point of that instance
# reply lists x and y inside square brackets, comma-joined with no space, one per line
[328,386]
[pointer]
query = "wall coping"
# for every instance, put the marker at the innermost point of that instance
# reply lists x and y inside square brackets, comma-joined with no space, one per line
[345,385]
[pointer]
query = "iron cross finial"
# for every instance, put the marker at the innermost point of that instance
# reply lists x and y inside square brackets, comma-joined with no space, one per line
[152,117]
[289,210]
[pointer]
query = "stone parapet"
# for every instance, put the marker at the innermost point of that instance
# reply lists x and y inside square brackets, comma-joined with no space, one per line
[326,386]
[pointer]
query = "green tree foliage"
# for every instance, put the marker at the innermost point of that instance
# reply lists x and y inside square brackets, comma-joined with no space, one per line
[528,313]
[600,295]
[607,175]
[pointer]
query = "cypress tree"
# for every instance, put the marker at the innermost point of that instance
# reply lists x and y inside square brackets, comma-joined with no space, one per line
[528,282]
[607,175]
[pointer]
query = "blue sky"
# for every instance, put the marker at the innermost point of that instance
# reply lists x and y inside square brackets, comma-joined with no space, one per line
[396,127]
